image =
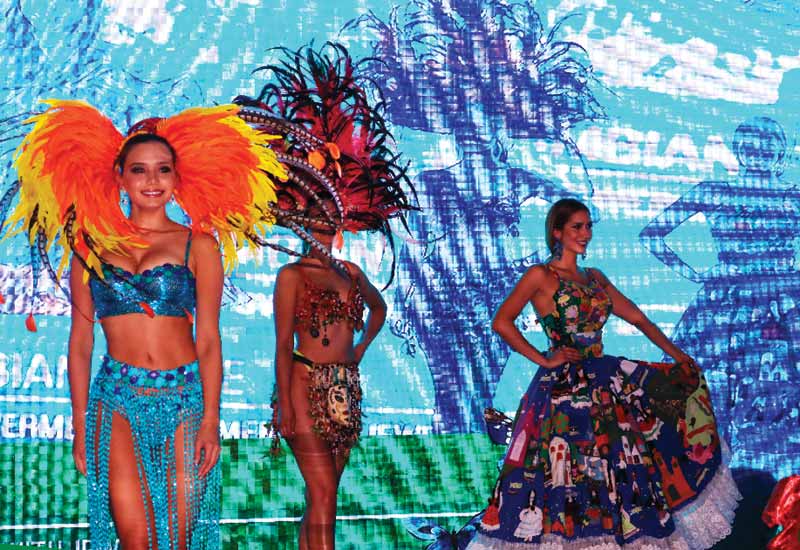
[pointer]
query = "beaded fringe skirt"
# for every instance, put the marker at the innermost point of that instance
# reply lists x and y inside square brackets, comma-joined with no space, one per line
[155,403]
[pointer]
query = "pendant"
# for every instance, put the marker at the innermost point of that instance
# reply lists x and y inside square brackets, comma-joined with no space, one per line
[314,332]
[325,341]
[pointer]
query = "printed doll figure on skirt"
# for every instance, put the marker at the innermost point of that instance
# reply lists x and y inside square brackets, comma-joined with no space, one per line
[605,452]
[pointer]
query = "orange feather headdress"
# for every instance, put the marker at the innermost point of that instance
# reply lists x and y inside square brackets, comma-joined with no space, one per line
[69,199]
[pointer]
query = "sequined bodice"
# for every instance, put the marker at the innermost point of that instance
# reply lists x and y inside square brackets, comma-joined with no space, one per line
[319,307]
[581,311]
[167,289]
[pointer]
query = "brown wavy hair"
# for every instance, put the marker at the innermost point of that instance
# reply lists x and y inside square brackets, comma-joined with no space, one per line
[558,216]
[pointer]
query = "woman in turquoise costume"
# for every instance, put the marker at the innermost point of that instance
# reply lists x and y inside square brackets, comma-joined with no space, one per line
[147,428]
[605,452]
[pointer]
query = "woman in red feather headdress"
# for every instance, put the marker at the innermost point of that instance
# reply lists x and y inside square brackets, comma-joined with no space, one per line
[342,176]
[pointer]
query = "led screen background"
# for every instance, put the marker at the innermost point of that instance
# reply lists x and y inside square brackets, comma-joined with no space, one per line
[655,113]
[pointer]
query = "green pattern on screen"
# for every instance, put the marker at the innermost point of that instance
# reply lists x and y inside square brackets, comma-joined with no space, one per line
[386,476]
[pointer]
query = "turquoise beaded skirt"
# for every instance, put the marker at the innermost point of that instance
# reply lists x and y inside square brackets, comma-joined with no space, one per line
[155,403]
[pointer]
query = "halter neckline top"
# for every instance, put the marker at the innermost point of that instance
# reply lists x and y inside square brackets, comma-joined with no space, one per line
[581,311]
[167,289]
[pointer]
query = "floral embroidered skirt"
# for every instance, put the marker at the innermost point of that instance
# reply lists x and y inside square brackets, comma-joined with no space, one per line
[155,403]
[612,453]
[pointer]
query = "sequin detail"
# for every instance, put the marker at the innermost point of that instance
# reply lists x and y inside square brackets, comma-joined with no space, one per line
[155,404]
[320,307]
[334,397]
[167,289]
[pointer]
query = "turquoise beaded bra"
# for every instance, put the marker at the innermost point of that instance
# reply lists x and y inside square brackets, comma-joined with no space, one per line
[167,289]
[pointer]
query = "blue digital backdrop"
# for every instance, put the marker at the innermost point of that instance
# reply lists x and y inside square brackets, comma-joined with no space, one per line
[677,122]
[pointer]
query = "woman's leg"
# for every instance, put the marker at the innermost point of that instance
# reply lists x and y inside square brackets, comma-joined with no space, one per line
[187,497]
[318,468]
[126,489]
[195,504]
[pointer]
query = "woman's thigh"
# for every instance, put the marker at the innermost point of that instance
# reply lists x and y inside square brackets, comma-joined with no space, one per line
[300,380]
[127,488]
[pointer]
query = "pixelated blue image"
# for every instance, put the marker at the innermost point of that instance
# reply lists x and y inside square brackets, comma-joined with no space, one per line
[676,122]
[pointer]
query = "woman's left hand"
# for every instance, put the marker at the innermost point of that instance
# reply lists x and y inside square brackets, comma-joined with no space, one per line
[359,350]
[206,446]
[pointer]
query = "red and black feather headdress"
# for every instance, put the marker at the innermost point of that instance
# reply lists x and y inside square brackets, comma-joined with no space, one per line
[337,146]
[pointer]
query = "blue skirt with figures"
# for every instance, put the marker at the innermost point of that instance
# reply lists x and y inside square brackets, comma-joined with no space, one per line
[612,453]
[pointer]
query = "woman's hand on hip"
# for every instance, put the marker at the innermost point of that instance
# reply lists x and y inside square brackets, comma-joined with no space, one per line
[682,357]
[562,355]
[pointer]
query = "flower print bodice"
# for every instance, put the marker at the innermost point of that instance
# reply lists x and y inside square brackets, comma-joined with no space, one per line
[581,311]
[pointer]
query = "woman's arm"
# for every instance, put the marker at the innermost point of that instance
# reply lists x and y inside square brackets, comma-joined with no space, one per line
[509,310]
[283,300]
[207,267]
[628,311]
[79,360]
[377,311]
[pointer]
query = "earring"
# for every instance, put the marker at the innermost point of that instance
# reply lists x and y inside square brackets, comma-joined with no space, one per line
[558,250]
[124,200]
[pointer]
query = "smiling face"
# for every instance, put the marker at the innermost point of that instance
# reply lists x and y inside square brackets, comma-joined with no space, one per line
[576,233]
[148,175]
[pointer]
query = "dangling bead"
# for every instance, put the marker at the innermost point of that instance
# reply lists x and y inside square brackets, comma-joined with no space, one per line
[147,309]
[30,323]
[275,446]
[338,240]
[2,299]
[316,160]
[325,341]
[333,150]
[558,250]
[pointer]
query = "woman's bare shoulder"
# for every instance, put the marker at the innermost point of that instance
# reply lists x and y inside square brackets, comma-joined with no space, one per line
[203,242]
[538,273]
[289,271]
[354,269]
[598,275]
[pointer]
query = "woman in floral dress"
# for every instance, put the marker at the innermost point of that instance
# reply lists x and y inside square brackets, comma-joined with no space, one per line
[605,452]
